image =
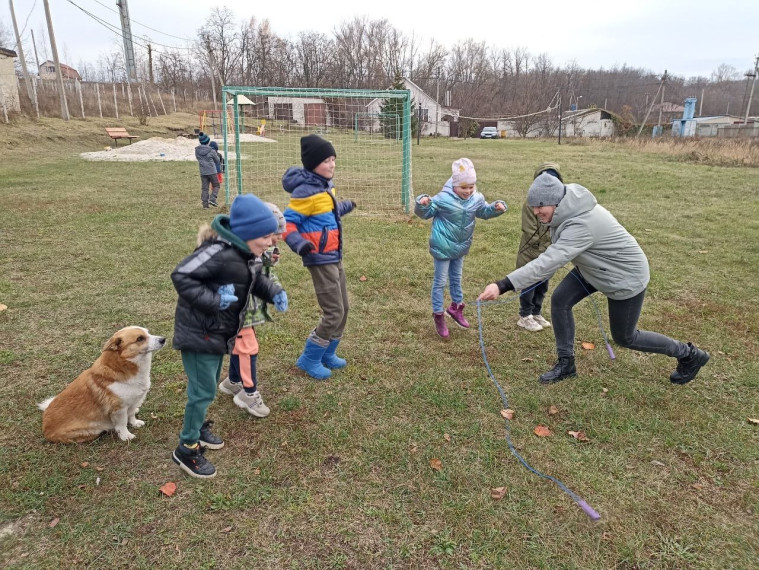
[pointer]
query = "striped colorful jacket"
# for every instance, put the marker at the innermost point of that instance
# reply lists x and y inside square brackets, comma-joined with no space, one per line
[313,215]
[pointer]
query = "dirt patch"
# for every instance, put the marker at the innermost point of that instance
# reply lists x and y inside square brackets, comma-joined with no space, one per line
[157,148]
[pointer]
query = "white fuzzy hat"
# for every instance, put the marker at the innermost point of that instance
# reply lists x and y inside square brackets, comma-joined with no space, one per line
[463,172]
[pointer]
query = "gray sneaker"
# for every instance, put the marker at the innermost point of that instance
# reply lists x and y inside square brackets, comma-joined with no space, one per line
[228,387]
[253,403]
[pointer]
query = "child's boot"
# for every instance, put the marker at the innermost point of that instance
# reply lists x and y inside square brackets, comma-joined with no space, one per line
[311,361]
[193,462]
[440,326]
[330,359]
[456,312]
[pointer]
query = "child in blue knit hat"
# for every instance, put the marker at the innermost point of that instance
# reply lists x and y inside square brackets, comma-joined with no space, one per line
[216,285]
[209,163]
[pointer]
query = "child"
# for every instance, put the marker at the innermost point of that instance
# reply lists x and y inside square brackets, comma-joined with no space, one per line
[315,232]
[242,381]
[453,211]
[535,239]
[219,167]
[215,284]
[208,161]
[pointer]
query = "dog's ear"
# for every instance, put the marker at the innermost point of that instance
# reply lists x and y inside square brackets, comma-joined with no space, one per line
[113,343]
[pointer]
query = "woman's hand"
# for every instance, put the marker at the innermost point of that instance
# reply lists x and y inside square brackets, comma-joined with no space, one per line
[490,293]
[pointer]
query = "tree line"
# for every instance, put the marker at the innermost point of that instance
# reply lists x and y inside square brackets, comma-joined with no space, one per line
[482,81]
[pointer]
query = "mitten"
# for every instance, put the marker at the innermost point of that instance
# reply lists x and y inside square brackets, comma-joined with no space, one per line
[280,301]
[227,293]
[305,248]
[353,203]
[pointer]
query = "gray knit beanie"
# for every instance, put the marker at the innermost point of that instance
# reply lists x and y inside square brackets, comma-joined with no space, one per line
[546,190]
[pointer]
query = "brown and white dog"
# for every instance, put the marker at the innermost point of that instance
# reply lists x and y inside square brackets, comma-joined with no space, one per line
[107,395]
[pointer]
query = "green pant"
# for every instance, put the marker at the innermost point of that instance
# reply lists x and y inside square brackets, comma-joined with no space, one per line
[203,372]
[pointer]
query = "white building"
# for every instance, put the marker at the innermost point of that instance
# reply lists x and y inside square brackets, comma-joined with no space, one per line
[583,123]
[9,97]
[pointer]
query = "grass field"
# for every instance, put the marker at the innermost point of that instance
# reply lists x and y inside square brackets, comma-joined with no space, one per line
[339,475]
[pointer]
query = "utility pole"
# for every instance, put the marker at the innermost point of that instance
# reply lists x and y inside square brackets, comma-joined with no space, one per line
[751,94]
[36,57]
[150,64]
[701,105]
[661,104]
[437,103]
[59,75]
[20,48]
[559,115]
[126,31]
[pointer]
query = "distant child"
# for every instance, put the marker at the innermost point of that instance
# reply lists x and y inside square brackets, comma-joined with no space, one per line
[242,382]
[215,285]
[453,210]
[209,163]
[315,232]
[536,237]
[220,168]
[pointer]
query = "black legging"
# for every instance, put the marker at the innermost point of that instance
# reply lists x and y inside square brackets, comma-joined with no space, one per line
[623,320]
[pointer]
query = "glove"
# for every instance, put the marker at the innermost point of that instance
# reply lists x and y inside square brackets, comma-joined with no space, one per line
[353,203]
[280,301]
[305,248]
[227,293]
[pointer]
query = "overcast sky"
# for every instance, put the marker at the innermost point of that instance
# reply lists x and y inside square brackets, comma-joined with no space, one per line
[686,37]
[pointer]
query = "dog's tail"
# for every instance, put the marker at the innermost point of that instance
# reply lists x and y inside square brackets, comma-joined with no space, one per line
[43,405]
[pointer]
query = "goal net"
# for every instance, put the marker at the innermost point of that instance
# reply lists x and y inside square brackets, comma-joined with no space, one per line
[370,130]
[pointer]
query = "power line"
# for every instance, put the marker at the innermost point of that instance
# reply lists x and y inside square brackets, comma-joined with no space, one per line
[143,25]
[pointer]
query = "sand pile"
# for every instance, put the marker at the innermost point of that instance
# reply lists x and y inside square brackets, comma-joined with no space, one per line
[157,148]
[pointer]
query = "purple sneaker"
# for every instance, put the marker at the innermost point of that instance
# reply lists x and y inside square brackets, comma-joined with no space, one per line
[440,326]
[456,312]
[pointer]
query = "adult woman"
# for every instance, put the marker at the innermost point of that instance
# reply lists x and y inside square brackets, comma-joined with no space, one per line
[606,259]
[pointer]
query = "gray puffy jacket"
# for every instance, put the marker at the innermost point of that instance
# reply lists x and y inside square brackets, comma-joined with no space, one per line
[585,233]
[208,159]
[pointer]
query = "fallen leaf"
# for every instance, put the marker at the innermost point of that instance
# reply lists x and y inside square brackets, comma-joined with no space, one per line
[498,493]
[605,390]
[85,464]
[657,463]
[413,448]
[508,413]
[54,522]
[588,345]
[606,536]
[436,464]
[226,529]
[648,230]
[153,416]
[124,542]
[256,471]
[703,251]
[99,468]
[447,437]
[3,307]
[168,489]
[753,421]
[553,410]
[697,486]
[579,435]
[81,486]
[527,359]
[362,278]
[542,431]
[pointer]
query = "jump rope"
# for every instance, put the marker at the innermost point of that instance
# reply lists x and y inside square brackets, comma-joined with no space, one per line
[590,511]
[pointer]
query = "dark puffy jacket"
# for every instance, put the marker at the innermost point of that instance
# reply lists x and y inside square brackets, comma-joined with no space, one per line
[313,215]
[221,258]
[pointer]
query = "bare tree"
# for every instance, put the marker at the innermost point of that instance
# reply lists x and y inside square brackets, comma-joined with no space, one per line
[312,58]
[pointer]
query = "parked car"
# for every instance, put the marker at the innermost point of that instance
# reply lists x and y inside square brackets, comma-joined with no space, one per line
[489,133]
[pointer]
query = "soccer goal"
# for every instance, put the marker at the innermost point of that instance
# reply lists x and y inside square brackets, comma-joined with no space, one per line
[370,130]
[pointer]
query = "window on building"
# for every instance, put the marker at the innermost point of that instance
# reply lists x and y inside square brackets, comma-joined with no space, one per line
[425,114]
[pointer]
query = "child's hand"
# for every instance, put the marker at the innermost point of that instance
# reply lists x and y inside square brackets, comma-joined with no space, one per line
[305,248]
[227,293]
[425,201]
[500,206]
[280,301]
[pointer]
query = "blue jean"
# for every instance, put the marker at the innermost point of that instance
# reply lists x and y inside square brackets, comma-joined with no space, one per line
[447,270]
[623,320]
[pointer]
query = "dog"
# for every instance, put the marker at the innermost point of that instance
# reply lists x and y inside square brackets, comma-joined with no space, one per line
[106,396]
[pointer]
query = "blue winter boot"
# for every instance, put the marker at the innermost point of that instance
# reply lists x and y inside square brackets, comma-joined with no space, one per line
[330,359]
[311,361]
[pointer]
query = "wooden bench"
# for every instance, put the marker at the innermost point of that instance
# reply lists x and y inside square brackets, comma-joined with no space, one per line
[117,133]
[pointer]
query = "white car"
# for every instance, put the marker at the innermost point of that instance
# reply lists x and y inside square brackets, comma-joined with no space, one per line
[489,133]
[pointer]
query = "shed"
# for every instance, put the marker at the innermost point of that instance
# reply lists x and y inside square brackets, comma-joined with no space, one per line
[47,71]
[9,96]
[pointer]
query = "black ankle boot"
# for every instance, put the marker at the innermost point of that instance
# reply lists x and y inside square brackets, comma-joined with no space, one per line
[564,368]
[688,367]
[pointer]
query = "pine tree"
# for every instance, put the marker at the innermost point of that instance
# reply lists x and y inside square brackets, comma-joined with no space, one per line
[391,113]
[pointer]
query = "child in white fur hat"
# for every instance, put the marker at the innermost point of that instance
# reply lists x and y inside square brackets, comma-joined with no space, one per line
[453,210]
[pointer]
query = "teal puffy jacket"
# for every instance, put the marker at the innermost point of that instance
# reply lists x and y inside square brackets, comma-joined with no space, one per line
[453,220]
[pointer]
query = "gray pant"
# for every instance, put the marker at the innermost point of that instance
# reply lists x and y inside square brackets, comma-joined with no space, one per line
[205,180]
[623,320]
[332,295]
